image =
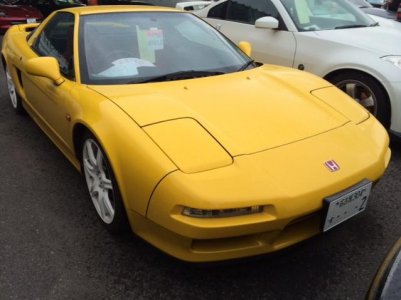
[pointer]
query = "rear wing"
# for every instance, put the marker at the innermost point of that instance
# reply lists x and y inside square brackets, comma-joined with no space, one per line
[27,27]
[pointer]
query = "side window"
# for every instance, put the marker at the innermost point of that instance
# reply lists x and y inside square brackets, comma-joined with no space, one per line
[248,11]
[57,40]
[218,12]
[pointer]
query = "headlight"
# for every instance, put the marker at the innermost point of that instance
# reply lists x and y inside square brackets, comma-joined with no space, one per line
[395,60]
[339,101]
[189,145]
[221,213]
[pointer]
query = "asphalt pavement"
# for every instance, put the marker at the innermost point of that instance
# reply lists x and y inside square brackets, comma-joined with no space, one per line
[53,247]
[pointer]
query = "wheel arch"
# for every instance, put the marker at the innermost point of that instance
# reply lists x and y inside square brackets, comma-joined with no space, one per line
[79,130]
[137,163]
[336,72]
[77,134]
[339,71]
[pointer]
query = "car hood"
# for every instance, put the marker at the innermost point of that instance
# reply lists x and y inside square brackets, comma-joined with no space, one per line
[20,11]
[378,39]
[245,112]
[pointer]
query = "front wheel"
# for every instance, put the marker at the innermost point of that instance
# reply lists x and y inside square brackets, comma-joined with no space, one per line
[12,92]
[367,91]
[102,186]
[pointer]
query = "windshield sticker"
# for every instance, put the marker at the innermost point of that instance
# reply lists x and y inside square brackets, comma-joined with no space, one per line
[155,39]
[145,51]
[303,12]
[125,67]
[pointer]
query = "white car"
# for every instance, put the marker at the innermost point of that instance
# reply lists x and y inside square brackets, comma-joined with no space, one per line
[330,38]
[192,5]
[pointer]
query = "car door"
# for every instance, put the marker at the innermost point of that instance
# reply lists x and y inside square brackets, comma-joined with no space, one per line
[236,19]
[51,103]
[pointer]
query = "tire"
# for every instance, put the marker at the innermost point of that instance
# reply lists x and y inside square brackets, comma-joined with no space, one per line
[12,93]
[367,91]
[102,186]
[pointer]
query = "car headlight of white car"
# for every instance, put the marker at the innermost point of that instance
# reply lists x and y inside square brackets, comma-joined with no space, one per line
[394,59]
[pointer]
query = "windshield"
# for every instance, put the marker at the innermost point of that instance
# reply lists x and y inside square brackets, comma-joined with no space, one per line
[313,15]
[121,48]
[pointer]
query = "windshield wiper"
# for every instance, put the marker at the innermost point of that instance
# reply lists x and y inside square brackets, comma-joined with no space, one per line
[179,75]
[350,26]
[246,65]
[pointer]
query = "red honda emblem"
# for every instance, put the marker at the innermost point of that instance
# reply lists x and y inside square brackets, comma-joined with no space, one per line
[332,165]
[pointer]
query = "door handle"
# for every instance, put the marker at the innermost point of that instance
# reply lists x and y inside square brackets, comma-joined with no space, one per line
[218,26]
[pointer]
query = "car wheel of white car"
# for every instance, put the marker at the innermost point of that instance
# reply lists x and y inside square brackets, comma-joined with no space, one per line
[12,92]
[102,186]
[366,91]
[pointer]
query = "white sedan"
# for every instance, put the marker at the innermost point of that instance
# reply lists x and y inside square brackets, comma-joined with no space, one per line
[330,38]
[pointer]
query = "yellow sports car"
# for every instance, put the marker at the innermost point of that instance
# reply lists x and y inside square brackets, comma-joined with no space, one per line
[180,135]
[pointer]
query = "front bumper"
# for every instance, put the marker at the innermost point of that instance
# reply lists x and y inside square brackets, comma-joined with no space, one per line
[218,249]
[290,182]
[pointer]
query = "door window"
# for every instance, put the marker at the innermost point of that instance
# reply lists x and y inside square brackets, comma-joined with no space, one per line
[56,40]
[218,12]
[244,11]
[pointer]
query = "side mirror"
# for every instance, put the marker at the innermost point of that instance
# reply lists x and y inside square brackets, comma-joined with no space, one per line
[267,22]
[45,67]
[245,47]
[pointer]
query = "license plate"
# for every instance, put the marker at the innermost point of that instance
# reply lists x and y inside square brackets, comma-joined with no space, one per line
[344,205]
[31,20]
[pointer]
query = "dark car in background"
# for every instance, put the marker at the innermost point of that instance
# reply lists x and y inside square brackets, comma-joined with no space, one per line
[399,13]
[370,9]
[17,12]
[118,2]
[46,7]
[392,5]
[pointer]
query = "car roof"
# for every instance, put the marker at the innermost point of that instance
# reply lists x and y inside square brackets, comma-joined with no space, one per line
[96,9]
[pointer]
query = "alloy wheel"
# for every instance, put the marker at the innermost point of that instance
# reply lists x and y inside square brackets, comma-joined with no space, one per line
[98,180]
[11,90]
[361,93]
